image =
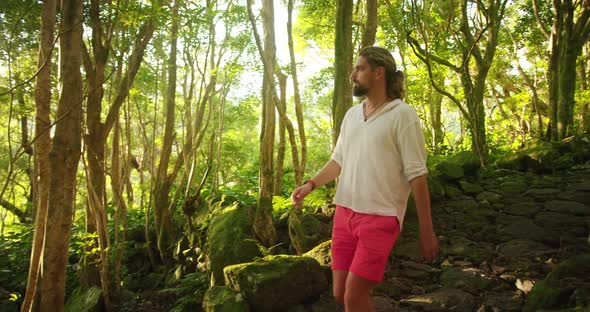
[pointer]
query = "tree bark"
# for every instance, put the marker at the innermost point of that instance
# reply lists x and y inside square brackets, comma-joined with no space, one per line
[371,24]
[41,150]
[98,131]
[299,170]
[342,97]
[64,158]
[262,222]
[278,178]
[162,184]
[567,37]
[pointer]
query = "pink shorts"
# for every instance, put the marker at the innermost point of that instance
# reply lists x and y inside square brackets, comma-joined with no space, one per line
[361,242]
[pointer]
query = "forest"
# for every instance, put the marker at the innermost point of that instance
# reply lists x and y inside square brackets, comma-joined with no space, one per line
[149,149]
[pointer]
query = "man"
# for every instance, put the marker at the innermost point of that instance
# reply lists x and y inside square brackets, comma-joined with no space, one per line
[379,157]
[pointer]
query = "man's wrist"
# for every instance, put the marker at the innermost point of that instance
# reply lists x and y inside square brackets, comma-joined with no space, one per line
[313,184]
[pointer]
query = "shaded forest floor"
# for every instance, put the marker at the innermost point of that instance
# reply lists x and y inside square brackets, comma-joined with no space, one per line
[498,237]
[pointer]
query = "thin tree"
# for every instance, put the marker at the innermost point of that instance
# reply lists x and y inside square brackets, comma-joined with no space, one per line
[567,36]
[473,47]
[342,97]
[64,157]
[162,181]
[299,170]
[263,223]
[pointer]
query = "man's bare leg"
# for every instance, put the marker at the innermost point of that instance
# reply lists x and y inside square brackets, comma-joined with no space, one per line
[356,295]
[339,284]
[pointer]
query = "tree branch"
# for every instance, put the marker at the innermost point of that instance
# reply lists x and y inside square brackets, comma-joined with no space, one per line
[12,208]
[416,46]
[542,26]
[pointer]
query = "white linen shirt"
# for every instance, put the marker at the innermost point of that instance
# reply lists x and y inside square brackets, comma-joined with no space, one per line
[378,158]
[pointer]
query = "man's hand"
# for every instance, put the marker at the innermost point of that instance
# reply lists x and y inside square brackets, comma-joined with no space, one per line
[428,245]
[300,193]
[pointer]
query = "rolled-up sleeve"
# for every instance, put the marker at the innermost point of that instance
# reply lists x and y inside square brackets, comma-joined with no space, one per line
[412,151]
[337,154]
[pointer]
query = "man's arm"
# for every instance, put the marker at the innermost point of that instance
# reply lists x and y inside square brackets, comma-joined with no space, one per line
[428,240]
[329,172]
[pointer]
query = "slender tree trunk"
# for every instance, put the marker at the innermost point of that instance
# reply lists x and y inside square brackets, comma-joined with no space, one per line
[25,144]
[583,76]
[64,158]
[278,185]
[371,24]
[342,97]
[41,150]
[120,212]
[163,183]
[569,32]
[300,170]
[435,118]
[263,224]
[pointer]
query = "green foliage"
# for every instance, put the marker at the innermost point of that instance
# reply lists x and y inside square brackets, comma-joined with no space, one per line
[191,291]
[14,261]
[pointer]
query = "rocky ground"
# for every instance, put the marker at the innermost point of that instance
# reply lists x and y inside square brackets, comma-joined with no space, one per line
[499,238]
[510,241]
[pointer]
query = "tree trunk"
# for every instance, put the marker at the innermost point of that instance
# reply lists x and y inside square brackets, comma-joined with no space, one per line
[583,76]
[342,97]
[64,158]
[299,170]
[262,222]
[98,133]
[482,53]
[278,178]
[163,183]
[568,35]
[41,150]
[120,209]
[371,25]
[435,118]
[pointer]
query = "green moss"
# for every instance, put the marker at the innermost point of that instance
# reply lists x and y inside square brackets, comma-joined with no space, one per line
[230,241]
[224,299]
[275,283]
[555,290]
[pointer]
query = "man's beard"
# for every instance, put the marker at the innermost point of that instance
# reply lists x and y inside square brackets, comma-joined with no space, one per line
[357,90]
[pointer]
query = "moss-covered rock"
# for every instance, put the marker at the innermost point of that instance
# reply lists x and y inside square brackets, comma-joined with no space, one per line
[85,300]
[450,170]
[275,283]
[469,161]
[306,231]
[568,280]
[321,253]
[470,188]
[224,299]
[230,241]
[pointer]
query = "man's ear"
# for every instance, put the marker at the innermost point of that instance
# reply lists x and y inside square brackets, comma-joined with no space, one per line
[380,71]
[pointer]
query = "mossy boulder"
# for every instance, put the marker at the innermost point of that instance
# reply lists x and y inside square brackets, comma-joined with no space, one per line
[230,241]
[275,283]
[306,231]
[85,300]
[224,299]
[469,161]
[322,254]
[569,280]
[470,188]
[449,170]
